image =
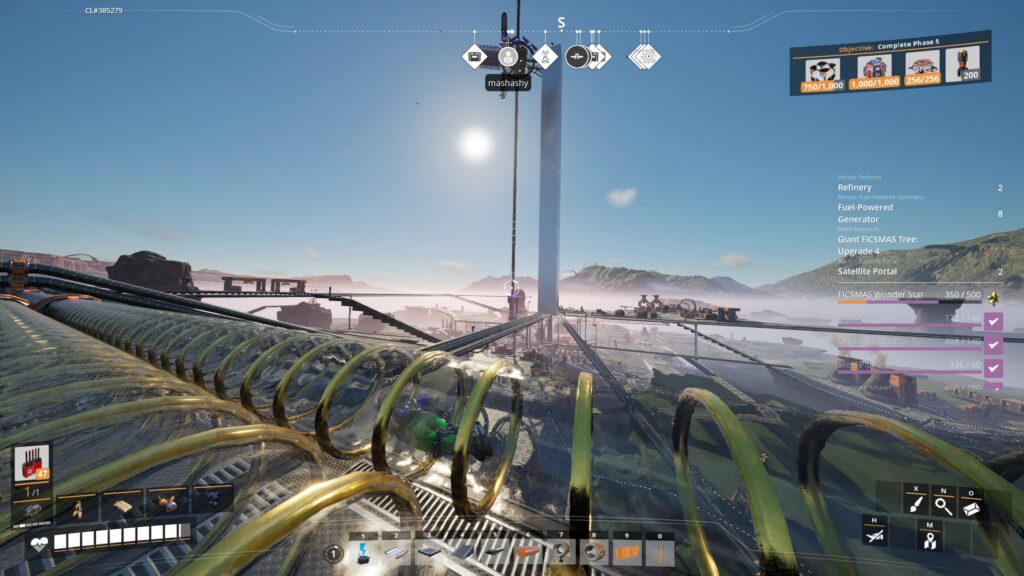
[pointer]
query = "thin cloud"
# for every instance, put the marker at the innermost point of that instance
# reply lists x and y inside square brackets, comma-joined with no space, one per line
[621,197]
[144,227]
[311,252]
[733,260]
[454,266]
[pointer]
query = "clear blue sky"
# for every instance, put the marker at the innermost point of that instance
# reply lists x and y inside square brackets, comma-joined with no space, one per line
[212,138]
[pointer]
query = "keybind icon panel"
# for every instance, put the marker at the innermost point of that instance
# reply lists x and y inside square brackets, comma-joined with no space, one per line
[627,548]
[563,548]
[397,548]
[874,530]
[930,535]
[971,504]
[945,501]
[594,549]
[908,63]
[660,549]
[916,499]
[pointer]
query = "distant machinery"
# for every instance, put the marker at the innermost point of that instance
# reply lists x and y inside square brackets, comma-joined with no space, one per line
[647,308]
[517,304]
[235,283]
[719,313]
[276,284]
[310,314]
[19,269]
[687,308]
[231,286]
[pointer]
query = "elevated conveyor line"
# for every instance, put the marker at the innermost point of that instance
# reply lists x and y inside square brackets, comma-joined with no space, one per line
[480,304]
[386,319]
[468,343]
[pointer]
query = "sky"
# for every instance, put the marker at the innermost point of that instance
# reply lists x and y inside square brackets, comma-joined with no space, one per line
[210,132]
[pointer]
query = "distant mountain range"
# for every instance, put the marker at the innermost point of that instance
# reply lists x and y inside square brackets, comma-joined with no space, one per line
[606,279]
[979,259]
[646,281]
[496,285]
[972,260]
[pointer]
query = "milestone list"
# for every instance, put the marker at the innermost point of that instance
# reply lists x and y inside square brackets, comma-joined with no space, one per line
[866,228]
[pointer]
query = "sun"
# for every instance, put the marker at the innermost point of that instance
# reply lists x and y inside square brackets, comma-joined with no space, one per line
[475,144]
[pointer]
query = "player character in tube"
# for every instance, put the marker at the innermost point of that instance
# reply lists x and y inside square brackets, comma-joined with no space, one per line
[419,424]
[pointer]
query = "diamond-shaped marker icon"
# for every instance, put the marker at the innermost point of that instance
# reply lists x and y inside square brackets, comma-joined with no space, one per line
[645,56]
[599,56]
[595,56]
[606,56]
[545,56]
[475,56]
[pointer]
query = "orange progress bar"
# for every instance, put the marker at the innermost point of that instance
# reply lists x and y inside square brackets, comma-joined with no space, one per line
[852,301]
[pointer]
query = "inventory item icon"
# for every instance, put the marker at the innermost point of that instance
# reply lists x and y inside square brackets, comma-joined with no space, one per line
[463,551]
[963,64]
[363,558]
[823,70]
[32,463]
[627,552]
[594,552]
[527,551]
[430,552]
[961,59]
[923,66]
[875,68]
